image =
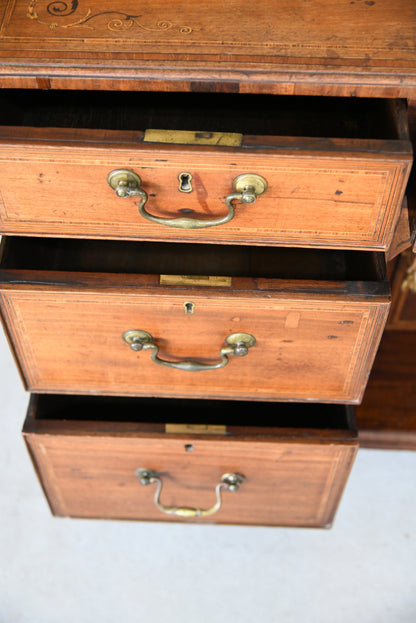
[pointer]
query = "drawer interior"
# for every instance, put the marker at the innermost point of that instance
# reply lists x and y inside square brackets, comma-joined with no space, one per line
[238,418]
[214,112]
[58,254]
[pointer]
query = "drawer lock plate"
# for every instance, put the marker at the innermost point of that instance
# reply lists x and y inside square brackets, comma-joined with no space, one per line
[188,137]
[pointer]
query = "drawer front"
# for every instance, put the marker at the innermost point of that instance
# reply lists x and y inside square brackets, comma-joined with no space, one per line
[344,196]
[292,478]
[309,344]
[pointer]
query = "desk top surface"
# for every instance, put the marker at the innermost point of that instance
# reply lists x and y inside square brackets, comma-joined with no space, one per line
[325,47]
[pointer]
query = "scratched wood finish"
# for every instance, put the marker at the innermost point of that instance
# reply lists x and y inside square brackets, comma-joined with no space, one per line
[316,339]
[329,47]
[342,191]
[292,477]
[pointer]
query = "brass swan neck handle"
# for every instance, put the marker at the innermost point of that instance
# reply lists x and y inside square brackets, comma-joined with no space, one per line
[246,188]
[236,344]
[229,482]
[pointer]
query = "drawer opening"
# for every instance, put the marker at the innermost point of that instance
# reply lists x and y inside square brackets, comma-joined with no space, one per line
[159,411]
[131,257]
[248,114]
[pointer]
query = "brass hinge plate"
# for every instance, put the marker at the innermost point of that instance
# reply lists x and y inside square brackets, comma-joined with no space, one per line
[186,137]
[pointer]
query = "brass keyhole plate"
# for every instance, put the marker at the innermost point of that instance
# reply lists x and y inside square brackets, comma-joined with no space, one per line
[185,185]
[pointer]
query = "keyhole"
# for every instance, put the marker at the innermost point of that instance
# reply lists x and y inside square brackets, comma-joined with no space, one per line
[189,307]
[185,185]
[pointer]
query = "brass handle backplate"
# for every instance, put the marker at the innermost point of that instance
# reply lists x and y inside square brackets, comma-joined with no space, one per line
[126,183]
[246,188]
[229,482]
[237,344]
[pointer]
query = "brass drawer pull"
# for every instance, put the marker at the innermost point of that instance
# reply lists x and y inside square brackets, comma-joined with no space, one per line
[230,482]
[237,344]
[247,188]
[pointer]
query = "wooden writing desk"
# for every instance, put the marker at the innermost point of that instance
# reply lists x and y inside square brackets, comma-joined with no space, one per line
[197,205]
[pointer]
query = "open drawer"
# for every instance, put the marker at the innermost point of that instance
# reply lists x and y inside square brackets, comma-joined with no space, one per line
[328,172]
[154,319]
[289,470]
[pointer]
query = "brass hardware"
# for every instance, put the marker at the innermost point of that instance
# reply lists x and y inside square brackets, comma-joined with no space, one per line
[186,137]
[247,187]
[196,429]
[250,185]
[230,482]
[189,307]
[195,280]
[237,344]
[409,282]
[185,185]
[126,184]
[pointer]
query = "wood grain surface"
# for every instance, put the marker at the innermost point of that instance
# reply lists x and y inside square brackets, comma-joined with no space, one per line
[387,416]
[331,187]
[327,47]
[316,339]
[89,472]
[306,204]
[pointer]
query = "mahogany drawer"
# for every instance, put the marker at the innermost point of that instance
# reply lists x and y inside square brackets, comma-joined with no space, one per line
[316,318]
[294,463]
[335,168]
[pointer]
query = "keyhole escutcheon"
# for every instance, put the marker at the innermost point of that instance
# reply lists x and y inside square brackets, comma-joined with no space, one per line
[189,307]
[185,185]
